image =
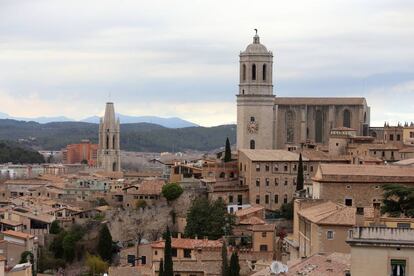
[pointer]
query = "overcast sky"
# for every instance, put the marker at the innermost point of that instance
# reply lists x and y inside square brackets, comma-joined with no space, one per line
[180,58]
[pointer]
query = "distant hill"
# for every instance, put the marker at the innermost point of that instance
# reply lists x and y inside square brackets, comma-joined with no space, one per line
[134,137]
[172,122]
[11,152]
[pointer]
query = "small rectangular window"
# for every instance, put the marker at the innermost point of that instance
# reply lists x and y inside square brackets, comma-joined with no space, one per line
[263,247]
[174,252]
[267,181]
[329,235]
[264,234]
[276,182]
[398,267]
[257,182]
[257,167]
[187,253]
[267,199]
[267,167]
[276,199]
[257,199]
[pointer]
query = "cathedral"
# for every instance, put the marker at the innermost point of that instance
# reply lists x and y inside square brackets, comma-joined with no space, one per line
[109,152]
[265,121]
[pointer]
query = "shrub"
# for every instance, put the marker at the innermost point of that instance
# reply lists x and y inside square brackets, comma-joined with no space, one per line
[172,191]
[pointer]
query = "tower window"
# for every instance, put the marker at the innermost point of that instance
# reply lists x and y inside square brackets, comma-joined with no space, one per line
[347,118]
[252,144]
[254,72]
[244,72]
[264,72]
[107,141]
[290,126]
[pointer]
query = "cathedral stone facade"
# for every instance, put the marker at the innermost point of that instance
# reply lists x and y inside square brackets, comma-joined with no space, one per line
[109,152]
[265,121]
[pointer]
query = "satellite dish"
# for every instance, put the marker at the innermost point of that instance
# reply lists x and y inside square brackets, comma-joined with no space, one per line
[278,267]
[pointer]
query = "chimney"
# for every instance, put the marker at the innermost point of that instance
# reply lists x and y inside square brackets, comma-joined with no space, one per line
[206,238]
[359,216]
[178,235]
[196,237]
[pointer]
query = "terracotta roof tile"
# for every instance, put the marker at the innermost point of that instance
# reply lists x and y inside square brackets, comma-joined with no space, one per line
[252,221]
[322,265]
[248,210]
[271,155]
[189,243]
[18,234]
[330,213]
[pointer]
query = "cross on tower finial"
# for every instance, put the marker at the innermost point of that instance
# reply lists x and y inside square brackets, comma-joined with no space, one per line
[255,31]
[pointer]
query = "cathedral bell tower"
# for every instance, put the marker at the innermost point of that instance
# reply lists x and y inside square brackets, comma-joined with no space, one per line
[255,101]
[109,153]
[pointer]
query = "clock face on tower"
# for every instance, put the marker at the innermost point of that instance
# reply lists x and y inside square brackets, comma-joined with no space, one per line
[252,127]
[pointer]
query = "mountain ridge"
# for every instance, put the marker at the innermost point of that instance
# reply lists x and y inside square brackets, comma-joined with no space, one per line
[170,122]
[134,136]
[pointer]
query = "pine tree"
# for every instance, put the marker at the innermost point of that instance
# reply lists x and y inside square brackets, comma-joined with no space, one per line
[227,153]
[300,178]
[234,269]
[161,270]
[105,243]
[168,263]
[224,260]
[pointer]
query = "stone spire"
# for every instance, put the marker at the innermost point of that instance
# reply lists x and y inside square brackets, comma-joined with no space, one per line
[109,153]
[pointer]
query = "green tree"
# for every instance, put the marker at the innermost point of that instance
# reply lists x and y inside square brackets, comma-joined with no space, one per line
[286,210]
[96,265]
[168,263]
[224,260]
[172,191]
[69,244]
[56,246]
[26,256]
[398,200]
[208,219]
[227,152]
[234,269]
[105,243]
[161,269]
[54,227]
[300,178]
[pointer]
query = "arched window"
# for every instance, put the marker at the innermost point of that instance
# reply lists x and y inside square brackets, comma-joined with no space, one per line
[252,144]
[254,72]
[114,167]
[107,142]
[264,72]
[347,118]
[319,126]
[290,126]
[252,119]
[244,71]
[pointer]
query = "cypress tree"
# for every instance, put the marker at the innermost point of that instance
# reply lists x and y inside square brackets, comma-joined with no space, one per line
[161,270]
[168,263]
[105,243]
[227,153]
[224,260]
[300,178]
[234,269]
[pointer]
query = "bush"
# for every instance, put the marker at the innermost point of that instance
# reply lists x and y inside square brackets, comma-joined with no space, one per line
[96,265]
[172,191]
[55,228]
[140,203]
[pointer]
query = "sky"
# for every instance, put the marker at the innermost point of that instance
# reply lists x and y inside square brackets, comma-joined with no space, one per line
[177,58]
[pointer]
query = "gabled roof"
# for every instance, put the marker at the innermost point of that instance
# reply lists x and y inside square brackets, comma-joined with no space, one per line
[364,173]
[329,213]
[17,234]
[252,221]
[189,243]
[271,155]
[248,210]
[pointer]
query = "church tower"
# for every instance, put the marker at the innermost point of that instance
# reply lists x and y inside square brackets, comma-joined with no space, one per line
[255,101]
[109,153]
